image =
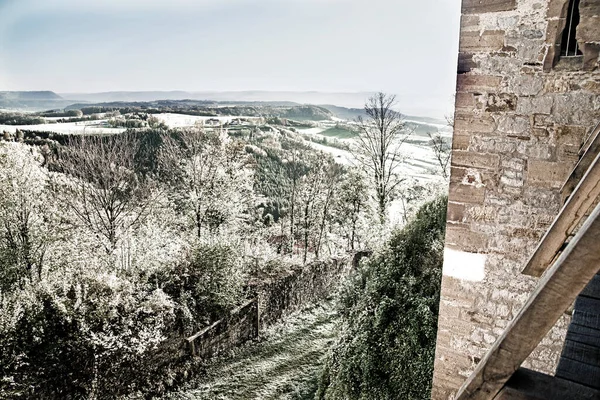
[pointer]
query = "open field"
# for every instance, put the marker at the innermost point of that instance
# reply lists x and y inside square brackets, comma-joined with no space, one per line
[338,133]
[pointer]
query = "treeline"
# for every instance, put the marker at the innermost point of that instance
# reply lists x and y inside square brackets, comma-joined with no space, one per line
[14,118]
[209,109]
[114,244]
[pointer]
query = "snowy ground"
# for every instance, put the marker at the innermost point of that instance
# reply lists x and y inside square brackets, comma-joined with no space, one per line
[181,120]
[72,128]
[284,365]
[419,164]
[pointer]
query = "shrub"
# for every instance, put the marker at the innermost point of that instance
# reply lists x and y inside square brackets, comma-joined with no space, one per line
[205,286]
[90,336]
[389,311]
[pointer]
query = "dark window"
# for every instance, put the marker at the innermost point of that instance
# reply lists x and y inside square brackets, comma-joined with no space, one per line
[568,44]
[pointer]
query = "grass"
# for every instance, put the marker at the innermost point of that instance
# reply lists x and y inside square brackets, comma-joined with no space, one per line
[338,133]
[284,364]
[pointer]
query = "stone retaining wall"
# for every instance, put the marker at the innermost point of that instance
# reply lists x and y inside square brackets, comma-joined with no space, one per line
[272,300]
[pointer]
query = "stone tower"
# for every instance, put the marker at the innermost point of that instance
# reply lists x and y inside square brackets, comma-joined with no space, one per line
[528,95]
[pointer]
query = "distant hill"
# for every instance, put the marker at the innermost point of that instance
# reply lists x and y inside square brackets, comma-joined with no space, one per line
[304,112]
[349,114]
[29,96]
[32,101]
[312,97]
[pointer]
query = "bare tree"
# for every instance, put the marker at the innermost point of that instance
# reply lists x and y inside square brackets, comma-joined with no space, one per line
[331,181]
[210,173]
[377,149]
[106,196]
[441,150]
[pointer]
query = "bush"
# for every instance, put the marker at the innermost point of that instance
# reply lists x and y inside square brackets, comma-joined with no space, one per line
[389,311]
[205,286]
[93,338]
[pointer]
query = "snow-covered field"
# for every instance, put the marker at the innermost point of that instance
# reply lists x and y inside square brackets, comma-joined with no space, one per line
[419,163]
[72,128]
[181,120]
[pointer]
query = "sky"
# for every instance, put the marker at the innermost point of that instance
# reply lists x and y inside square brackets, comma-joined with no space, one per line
[407,48]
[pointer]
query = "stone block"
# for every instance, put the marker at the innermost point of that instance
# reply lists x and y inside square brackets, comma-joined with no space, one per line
[535,105]
[464,100]
[548,173]
[488,6]
[477,83]
[592,85]
[575,108]
[514,125]
[557,9]
[460,140]
[456,212]
[474,123]
[569,153]
[526,85]
[501,102]
[469,23]
[460,236]
[570,134]
[465,63]
[589,8]
[487,41]
[539,150]
[471,159]
[466,193]
[588,30]
[591,52]
[482,213]
[554,30]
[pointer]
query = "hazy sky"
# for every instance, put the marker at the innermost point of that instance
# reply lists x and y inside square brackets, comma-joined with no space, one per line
[408,48]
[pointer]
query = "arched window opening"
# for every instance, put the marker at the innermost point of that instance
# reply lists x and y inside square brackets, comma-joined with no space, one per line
[569,46]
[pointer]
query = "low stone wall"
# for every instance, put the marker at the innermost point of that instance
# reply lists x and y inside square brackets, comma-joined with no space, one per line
[285,294]
[272,300]
[241,325]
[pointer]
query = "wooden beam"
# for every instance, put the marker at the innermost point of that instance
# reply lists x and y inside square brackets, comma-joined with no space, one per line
[590,150]
[567,220]
[526,384]
[555,292]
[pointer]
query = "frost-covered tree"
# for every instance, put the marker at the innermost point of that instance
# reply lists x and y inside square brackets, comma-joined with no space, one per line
[351,208]
[24,229]
[377,149]
[104,194]
[211,178]
[441,150]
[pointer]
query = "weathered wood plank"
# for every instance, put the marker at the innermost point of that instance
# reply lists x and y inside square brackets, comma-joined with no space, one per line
[590,150]
[582,352]
[530,385]
[555,292]
[583,334]
[587,312]
[567,220]
[593,288]
[579,372]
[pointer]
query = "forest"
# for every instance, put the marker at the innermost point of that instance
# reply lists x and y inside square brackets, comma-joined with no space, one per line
[110,242]
[114,244]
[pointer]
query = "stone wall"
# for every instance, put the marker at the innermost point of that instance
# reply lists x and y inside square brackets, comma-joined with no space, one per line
[521,115]
[272,299]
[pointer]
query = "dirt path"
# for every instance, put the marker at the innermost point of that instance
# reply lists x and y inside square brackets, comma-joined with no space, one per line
[284,365]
